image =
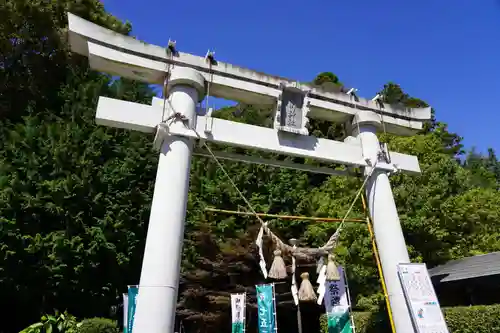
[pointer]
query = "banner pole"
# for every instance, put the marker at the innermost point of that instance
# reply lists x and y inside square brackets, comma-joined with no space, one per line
[125,312]
[349,300]
[245,312]
[275,311]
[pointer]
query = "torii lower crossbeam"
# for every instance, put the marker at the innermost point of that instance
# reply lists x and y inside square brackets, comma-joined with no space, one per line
[145,118]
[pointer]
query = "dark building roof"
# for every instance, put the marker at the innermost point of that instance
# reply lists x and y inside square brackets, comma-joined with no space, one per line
[468,268]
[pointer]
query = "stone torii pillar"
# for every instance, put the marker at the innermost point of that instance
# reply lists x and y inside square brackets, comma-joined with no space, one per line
[157,298]
[294,103]
[386,225]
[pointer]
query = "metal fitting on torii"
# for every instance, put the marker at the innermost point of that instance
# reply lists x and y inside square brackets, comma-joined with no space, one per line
[162,132]
[210,57]
[379,100]
[162,129]
[352,93]
[373,121]
[171,50]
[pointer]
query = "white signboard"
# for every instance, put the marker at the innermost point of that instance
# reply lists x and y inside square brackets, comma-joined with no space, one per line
[421,298]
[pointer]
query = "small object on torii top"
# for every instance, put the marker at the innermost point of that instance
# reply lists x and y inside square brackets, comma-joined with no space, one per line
[378,99]
[352,92]
[210,57]
[171,47]
[117,54]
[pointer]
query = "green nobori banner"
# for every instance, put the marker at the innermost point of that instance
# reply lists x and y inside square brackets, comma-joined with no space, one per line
[266,308]
[129,307]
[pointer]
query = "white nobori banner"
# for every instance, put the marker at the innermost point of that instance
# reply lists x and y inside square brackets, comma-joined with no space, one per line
[238,307]
[336,294]
[337,303]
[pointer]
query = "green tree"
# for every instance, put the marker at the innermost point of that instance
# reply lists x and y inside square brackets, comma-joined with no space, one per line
[485,168]
[326,77]
[72,209]
[451,142]
[33,52]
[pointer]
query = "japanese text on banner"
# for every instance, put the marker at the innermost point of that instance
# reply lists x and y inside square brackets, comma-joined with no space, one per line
[238,313]
[337,305]
[266,309]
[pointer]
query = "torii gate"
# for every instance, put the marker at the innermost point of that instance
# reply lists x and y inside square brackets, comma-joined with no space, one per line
[186,77]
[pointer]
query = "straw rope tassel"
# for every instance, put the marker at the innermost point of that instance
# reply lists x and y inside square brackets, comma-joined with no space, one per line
[306,291]
[332,271]
[278,268]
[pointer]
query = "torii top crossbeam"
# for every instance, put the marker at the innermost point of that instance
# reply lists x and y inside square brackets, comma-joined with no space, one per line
[125,56]
[128,57]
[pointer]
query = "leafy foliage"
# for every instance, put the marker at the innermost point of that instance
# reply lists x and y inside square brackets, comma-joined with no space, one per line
[450,142]
[66,323]
[58,323]
[364,322]
[67,237]
[471,319]
[97,325]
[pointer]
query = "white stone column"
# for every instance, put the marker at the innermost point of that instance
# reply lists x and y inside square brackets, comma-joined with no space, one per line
[157,298]
[386,225]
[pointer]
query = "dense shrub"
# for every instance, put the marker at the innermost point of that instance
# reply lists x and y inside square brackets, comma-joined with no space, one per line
[98,325]
[473,319]
[470,319]
[365,322]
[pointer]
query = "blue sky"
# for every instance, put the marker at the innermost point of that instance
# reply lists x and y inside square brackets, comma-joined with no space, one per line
[445,52]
